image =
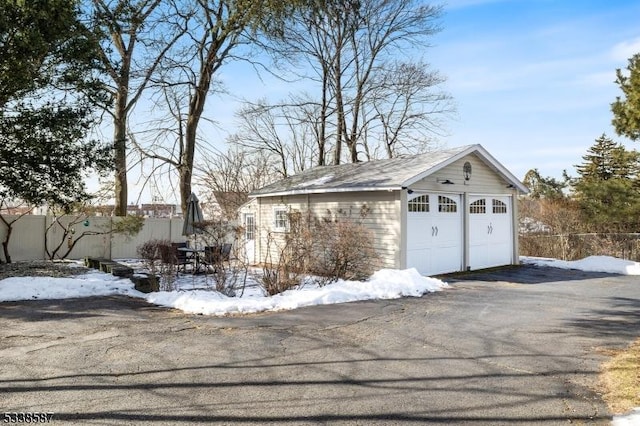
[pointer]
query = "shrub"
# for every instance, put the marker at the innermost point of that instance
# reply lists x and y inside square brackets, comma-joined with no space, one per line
[344,250]
[159,258]
[329,248]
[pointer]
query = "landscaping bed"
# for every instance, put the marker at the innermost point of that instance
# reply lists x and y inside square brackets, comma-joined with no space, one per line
[40,268]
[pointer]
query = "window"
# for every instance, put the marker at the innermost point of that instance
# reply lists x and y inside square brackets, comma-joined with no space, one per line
[499,206]
[419,204]
[479,206]
[280,219]
[249,227]
[447,205]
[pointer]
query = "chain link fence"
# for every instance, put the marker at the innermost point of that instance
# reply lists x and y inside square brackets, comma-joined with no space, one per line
[579,246]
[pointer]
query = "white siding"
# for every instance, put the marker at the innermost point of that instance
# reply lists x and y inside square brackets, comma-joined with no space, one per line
[484,180]
[388,210]
[383,217]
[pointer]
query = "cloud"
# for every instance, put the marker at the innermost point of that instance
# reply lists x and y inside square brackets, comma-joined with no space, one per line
[626,49]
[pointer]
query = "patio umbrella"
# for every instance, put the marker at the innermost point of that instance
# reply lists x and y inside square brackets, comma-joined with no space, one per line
[192,216]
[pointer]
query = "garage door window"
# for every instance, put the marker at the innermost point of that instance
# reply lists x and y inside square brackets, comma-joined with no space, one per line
[447,205]
[419,204]
[478,207]
[499,206]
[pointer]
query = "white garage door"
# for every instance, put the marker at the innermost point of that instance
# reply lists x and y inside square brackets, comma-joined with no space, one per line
[490,231]
[434,233]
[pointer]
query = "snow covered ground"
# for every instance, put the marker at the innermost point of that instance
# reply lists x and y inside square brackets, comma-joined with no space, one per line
[193,294]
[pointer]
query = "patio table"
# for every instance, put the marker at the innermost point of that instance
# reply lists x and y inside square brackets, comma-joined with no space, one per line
[194,255]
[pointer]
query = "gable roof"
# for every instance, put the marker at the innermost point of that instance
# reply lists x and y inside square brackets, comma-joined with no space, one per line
[380,175]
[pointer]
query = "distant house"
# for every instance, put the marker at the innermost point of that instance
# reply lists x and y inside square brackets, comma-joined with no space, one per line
[439,212]
[159,210]
[155,210]
[224,204]
[17,210]
[21,210]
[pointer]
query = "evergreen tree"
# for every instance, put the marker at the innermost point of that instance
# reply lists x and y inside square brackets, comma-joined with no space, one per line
[543,187]
[626,110]
[607,188]
[47,92]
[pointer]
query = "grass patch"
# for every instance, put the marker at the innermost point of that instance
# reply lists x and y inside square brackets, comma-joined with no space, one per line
[620,378]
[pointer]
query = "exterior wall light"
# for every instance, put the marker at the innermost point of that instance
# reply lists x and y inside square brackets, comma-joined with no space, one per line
[466,171]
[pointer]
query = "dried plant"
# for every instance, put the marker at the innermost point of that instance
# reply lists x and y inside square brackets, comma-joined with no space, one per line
[159,258]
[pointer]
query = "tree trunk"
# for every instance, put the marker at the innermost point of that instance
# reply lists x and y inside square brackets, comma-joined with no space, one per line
[322,134]
[5,244]
[196,106]
[341,126]
[120,152]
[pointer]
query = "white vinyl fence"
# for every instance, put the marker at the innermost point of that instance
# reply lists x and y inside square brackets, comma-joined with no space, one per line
[28,238]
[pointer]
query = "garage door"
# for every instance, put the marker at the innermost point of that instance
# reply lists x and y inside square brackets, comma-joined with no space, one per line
[490,231]
[434,233]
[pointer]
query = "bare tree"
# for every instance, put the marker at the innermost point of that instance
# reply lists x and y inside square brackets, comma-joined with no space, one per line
[135,36]
[8,222]
[409,111]
[350,47]
[217,32]
[284,132]
[230,176]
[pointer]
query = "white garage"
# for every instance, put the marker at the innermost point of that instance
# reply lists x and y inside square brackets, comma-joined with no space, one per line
[490,231]
[438,212]
[435,238]
[434,233]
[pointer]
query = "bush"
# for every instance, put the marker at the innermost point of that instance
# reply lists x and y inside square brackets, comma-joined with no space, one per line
[557,228]
[579,246]
[343,250]
[159,258]
[329,248]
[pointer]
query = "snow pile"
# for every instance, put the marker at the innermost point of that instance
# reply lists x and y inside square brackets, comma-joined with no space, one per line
[193,298]
[85,285]
[384,284]
[591,264]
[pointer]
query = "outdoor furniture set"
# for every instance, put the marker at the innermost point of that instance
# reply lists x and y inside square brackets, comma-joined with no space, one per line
[199,260]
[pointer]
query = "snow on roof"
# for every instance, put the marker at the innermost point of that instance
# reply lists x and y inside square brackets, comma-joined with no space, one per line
[378,175]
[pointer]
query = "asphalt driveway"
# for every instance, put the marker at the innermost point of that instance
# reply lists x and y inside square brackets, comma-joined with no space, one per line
[521,345]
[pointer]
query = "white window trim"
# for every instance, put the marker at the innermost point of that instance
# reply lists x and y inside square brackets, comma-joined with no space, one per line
[249,231]
[276,210]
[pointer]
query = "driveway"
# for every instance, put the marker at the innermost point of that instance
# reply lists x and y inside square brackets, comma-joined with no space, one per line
[519,346]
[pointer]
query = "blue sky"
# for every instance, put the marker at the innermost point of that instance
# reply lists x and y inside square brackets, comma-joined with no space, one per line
[533,80]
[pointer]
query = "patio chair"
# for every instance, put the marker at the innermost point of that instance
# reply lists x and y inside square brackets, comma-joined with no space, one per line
[182,258]
[214,255]
[211,256]
[225,253]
